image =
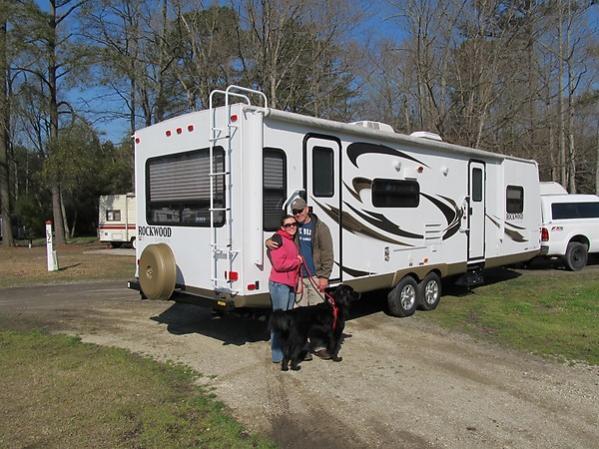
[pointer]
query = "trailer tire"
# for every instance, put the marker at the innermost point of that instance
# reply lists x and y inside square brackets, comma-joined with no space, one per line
[157,271]
[429,292]
[115,245]
[403,299]
[576,256]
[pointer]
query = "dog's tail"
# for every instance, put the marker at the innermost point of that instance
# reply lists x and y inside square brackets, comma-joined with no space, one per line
[280,321]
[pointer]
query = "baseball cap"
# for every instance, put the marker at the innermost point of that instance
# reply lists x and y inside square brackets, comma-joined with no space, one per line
[298,204]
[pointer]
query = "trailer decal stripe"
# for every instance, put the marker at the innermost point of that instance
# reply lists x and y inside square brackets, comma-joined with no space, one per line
[353,272]
[514,235]
[381,222]
[357,149]
[352,225]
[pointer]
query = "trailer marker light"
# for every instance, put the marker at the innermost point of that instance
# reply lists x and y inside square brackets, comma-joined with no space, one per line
[234,118]
[544,235]
[137,140]
[168,133]
[221,303]
[233,276]
[190,128]
[179,130]
[251,287]
[420,169]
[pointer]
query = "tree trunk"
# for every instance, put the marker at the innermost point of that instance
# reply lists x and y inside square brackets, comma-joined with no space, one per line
[64,215]
[7,237]
[560,100]
[597,161]
[53,140]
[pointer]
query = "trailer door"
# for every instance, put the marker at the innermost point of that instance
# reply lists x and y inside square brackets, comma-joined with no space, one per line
[322,182]
[476,215]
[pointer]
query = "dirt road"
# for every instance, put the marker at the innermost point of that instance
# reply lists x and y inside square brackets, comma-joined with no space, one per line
[402,383]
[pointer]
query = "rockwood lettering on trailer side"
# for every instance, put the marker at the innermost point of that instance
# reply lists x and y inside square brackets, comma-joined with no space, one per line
[154,231]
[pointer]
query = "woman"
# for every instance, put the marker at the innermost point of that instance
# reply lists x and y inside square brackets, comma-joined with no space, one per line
[283,279]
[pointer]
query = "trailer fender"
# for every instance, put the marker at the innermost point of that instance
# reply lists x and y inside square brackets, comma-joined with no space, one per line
[157,271]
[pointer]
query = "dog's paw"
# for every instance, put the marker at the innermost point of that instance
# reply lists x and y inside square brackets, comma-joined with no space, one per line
[284,368]
[336,358]
[296,368]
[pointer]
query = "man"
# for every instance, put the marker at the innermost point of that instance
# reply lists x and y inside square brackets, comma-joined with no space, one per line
[316,247]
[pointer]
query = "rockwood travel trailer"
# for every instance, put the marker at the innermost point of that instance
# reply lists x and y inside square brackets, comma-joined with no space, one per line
[116,219]
[404,211]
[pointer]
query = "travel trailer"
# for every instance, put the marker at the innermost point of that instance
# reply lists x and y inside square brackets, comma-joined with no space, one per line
[116,221]
[404,211]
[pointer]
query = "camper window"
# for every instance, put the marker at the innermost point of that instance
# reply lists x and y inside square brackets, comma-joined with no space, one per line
[274,187]
[477,185]
[564,211]
[515,200]
[113,215]
[394,193]
[178,188]
[323,174]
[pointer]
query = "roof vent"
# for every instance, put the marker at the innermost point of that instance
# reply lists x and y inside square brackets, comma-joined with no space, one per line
[426,135]
[374,125]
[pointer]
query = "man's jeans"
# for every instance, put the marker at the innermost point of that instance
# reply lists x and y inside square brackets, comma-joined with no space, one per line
[282,297]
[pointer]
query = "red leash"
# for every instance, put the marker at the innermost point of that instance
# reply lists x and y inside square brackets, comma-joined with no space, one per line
[328,297]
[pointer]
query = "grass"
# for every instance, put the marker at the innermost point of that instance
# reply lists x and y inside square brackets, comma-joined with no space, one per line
[57,392]
[550,313]
[22,266]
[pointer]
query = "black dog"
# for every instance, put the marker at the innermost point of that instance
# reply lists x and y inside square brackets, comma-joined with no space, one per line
[314,322]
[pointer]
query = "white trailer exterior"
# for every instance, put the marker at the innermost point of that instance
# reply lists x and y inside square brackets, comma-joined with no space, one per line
[396,205]
[117,219]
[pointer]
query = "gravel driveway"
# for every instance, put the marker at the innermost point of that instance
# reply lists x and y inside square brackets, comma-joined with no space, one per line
[402,383]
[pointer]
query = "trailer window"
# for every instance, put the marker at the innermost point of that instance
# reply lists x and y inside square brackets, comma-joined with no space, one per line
[566,211]
[323,174]
[394,193]
[514,200]
[274,187]
[178,188]
[477,185]
[113,215]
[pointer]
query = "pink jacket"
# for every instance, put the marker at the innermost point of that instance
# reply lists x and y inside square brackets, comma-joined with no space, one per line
[284,261]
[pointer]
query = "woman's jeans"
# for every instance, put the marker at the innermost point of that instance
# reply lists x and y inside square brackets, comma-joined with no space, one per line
[282,297]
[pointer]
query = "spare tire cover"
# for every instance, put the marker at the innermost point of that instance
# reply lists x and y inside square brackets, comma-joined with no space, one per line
[157,271]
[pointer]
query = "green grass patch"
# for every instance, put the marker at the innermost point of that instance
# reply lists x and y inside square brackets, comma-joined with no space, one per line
[550,313]
[58,392]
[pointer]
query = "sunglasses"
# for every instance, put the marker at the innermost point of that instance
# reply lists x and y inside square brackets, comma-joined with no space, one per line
[297,211]
[289,225]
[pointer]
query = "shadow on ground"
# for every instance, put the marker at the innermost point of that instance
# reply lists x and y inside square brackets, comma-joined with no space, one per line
[246,326]
[235,329]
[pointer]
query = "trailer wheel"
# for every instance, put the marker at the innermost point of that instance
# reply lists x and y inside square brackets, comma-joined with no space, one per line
[157,271]
[402,300]
[576,256]
[429,292]
[133,243]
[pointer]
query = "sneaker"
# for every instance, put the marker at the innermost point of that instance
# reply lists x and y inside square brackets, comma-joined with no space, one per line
[277,361]
[323,354]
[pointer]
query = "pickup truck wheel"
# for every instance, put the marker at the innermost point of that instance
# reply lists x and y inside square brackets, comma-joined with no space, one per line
[429,292]
[157,271]
[402,300]
[576,256]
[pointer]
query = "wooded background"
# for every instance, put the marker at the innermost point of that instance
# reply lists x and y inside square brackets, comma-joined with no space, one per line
[516,77]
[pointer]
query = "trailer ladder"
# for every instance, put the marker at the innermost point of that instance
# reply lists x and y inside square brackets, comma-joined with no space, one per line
[221,246]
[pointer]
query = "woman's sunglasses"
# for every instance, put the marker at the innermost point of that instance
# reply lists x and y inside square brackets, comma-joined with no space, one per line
[289,225]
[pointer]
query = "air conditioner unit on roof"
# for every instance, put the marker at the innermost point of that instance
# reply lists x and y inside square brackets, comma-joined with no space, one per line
[374,125]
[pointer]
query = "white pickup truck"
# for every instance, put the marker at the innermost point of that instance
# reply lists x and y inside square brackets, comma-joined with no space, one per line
[570,228]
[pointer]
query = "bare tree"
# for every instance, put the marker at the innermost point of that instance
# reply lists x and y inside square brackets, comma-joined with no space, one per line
[7,237]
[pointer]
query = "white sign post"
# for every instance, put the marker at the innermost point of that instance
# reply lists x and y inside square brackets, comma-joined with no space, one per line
[52,259]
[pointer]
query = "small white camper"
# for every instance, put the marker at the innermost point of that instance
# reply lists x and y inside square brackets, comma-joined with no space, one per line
[404,211]
[116,220]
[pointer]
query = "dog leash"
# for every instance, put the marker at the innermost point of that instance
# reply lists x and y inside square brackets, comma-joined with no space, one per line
[327,296]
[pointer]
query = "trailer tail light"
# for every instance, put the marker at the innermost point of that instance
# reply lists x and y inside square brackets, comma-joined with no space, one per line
[232,276]
[544,235]
[190,128]
[251,287]
[137,140]
[179,130]
[234,118]
[168,133]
